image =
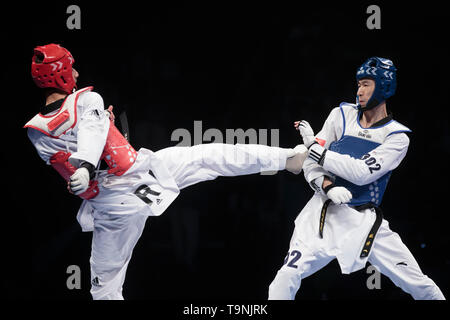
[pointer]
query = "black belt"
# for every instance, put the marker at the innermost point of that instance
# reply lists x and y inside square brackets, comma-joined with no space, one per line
[373,231]
[323,213]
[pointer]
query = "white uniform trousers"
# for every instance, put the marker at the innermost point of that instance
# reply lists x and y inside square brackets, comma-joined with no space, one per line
[388,254]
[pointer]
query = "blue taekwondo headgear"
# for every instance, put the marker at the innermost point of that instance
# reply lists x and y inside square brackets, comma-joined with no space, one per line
[383,72]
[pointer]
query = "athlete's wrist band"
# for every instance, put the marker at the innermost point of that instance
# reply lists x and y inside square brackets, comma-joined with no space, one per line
[313,143]
[317,153]
[328,188]
[90,167]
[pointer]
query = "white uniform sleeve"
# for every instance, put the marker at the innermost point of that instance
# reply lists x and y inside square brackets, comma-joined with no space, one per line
[331,131]
[37,139]
[371,166]
[93,129]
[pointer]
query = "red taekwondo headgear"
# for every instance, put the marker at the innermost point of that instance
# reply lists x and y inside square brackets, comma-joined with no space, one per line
[51,67]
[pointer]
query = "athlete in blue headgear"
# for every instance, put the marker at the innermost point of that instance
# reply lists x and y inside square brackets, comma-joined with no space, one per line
[384,82]
[349,165]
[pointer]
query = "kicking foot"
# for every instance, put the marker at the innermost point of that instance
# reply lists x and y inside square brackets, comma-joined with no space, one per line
[294,164]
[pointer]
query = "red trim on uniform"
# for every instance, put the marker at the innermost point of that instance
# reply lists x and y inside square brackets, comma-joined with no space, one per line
[75,114]
[39,129]
[58,120]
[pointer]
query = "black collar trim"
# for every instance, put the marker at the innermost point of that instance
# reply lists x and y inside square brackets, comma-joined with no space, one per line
[51,107]
[381,122]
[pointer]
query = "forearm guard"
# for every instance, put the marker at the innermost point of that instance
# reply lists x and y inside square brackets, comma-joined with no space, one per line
[60,162]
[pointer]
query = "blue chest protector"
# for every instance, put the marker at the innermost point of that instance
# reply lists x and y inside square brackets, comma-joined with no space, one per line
[356,148]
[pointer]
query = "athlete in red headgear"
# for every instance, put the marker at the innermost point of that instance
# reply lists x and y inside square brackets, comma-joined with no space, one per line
[73,133]
[51,67]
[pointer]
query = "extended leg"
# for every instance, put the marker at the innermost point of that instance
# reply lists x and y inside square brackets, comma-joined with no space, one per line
[190,165]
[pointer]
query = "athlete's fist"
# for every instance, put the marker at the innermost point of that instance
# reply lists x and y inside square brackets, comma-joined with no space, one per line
[79,181]
[306,132]
[112,117]
[339,195]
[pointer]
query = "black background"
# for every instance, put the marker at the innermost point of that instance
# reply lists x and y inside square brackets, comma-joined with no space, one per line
[229,65]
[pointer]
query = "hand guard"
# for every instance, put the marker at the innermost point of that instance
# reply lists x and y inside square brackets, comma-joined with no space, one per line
[306,132]
[338,195]
[60,162]
[79,181]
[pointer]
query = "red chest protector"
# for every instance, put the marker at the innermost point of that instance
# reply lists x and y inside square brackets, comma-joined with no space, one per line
[117,153]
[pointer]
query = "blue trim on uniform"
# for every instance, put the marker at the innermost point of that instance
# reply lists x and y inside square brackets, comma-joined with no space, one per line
[406,129]
[359,124]
[343,119]
[398,131]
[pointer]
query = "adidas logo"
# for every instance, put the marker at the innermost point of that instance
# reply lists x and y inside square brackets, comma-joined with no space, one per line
[158,201]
